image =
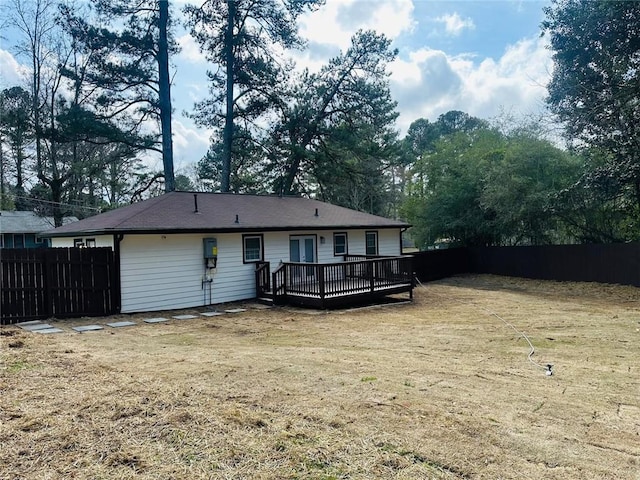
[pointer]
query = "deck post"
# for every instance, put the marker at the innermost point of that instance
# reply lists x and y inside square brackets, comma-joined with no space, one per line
[275,287]
[321,281]
[372,275]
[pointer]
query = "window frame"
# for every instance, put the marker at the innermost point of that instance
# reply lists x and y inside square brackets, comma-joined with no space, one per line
[90,243]
[78,243]
[366,242]
[346,243]
[249,236]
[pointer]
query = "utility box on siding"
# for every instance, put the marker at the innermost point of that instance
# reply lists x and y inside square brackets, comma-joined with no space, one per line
[210,247]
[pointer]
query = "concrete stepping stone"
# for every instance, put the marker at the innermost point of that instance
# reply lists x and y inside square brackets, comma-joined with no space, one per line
[49,330]
[155,320]
[236,310]
[184,317]
[121,324]
[33,327]
[87,328]
[211,314]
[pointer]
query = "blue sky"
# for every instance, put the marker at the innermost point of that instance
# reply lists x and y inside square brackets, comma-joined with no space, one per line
[481,57]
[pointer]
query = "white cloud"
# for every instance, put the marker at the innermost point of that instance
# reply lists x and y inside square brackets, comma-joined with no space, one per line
[190,143]
[454,24]
[190,50]
[11,72]
[431,83]
[337,20]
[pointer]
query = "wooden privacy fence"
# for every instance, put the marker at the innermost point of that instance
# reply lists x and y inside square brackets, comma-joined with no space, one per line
[607,263]
[58,282]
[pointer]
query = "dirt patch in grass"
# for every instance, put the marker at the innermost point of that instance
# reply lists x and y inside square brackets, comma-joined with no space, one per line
[439,388]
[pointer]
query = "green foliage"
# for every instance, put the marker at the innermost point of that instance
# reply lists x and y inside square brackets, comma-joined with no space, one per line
[481,187]
[594,91]
[18,133]
[246,165]
[343,112]
[522,189]
[121,42]
[599,207]
[351,169]
[241,39]
[71,141]
[126,72]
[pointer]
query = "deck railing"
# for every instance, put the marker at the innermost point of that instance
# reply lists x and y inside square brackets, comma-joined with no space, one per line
[329,280]
[279,283]
[263,278]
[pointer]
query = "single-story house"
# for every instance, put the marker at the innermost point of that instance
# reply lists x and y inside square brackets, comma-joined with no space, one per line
[185,249]
[20,229]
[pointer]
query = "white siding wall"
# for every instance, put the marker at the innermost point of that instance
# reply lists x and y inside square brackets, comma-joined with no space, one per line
[388,242]
[101,241]
[163,272]
[277,244]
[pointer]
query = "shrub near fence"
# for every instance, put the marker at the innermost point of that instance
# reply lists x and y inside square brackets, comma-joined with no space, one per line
[57,282]
[607,263]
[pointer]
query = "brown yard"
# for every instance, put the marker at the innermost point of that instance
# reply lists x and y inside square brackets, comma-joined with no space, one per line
[440,388]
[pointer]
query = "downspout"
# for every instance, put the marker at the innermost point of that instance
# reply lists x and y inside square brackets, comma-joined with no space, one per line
[402,230]
[117,294]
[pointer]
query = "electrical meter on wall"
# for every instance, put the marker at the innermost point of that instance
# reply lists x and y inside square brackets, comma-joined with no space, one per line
[210,251]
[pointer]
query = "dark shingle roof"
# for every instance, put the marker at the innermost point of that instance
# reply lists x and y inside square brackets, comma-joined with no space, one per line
[175,213]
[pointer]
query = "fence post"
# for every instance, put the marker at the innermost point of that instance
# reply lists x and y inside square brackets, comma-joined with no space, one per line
[47,281]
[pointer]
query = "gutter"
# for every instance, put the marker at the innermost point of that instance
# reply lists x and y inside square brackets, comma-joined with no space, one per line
[249,228]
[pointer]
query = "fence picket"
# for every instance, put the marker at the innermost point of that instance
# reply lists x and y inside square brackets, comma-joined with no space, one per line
[607,263]
[57,282]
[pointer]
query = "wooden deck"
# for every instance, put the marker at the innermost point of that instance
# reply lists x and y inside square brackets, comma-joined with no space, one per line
[356,280]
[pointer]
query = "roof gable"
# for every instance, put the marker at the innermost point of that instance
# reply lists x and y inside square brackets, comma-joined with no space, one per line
[175,212]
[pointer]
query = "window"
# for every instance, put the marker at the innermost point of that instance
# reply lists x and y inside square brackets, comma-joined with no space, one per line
[90,242]
[340,243]
[77,242]
[371,243]
[18,240]
[252,248]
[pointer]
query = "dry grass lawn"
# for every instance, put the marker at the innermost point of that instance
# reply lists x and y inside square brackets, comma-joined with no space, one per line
[439,388]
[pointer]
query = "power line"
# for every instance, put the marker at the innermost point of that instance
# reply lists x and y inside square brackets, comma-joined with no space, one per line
[50,202]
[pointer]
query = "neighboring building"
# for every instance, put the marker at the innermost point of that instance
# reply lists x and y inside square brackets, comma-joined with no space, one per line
[21,229]
[182,249]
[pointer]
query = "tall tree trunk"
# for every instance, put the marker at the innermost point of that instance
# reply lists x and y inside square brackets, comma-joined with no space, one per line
[228,119]
[165,98]
[56,198]
[291,173]
[2,186]
[21,203]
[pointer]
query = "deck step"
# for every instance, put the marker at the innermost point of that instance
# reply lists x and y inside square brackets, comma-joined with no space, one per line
[265,300]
